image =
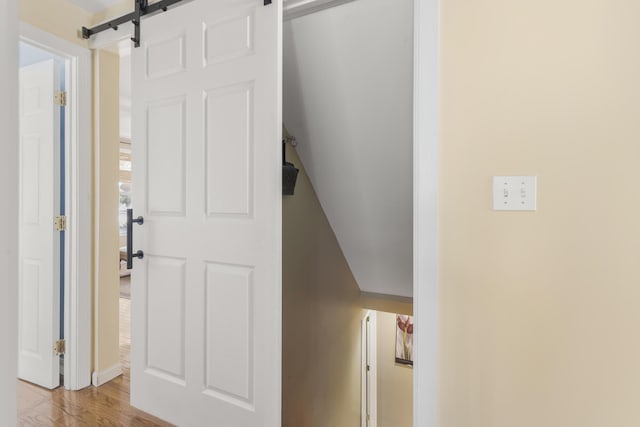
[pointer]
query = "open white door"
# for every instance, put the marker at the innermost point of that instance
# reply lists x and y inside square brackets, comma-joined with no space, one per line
[206,297]
[39,253]
[369,374]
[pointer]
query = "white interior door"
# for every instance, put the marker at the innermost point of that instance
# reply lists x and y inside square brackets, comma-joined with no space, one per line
[39,252]
[369,371]
[206,297]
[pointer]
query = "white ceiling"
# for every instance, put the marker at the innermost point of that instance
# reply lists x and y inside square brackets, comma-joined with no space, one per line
[94,6]
[348,88]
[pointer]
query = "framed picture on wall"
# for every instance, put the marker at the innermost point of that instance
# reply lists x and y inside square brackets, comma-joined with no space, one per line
[404,339]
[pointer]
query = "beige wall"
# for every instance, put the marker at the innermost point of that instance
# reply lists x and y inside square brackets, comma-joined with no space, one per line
[106,231]
[321,318]
[539,311]
[58,17]
[118,9]
[395,381]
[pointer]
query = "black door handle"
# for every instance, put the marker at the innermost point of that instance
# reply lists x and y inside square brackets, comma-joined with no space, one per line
[130,254]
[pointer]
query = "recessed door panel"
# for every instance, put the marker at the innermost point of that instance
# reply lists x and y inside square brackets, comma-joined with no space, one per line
[230,38]
[165,151]
[165,57]
[29,309]
[30,188]
[165,318]
[229,332]
[229,140]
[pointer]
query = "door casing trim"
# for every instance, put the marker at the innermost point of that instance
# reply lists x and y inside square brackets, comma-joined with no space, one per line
[78,285]
[426,240]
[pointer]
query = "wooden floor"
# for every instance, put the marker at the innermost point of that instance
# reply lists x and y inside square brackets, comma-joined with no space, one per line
[107,405]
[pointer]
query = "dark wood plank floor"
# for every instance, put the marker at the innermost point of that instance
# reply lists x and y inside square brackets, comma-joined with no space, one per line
[107,405]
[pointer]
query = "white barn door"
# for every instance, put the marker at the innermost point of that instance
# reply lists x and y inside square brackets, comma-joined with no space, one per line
[39,252]
[206,297]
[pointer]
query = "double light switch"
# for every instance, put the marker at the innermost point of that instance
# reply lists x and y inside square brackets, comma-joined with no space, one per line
[514,193]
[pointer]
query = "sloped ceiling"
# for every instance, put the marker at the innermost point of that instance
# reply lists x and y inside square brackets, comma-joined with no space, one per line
[348,77]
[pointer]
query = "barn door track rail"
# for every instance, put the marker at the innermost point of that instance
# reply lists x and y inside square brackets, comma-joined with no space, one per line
[142,8]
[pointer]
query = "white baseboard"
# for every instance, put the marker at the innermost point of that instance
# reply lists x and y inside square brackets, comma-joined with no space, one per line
[103,377]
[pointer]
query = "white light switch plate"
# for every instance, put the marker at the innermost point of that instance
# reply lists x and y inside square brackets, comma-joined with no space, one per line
[514,193]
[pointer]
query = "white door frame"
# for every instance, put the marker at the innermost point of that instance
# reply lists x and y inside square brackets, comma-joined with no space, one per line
[9,212]
[425,180]
[78,287]
[426,63]
[370,345]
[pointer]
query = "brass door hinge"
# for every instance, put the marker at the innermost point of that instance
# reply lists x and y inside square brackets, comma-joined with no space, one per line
[61,98]
[60,222]
[60,347]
